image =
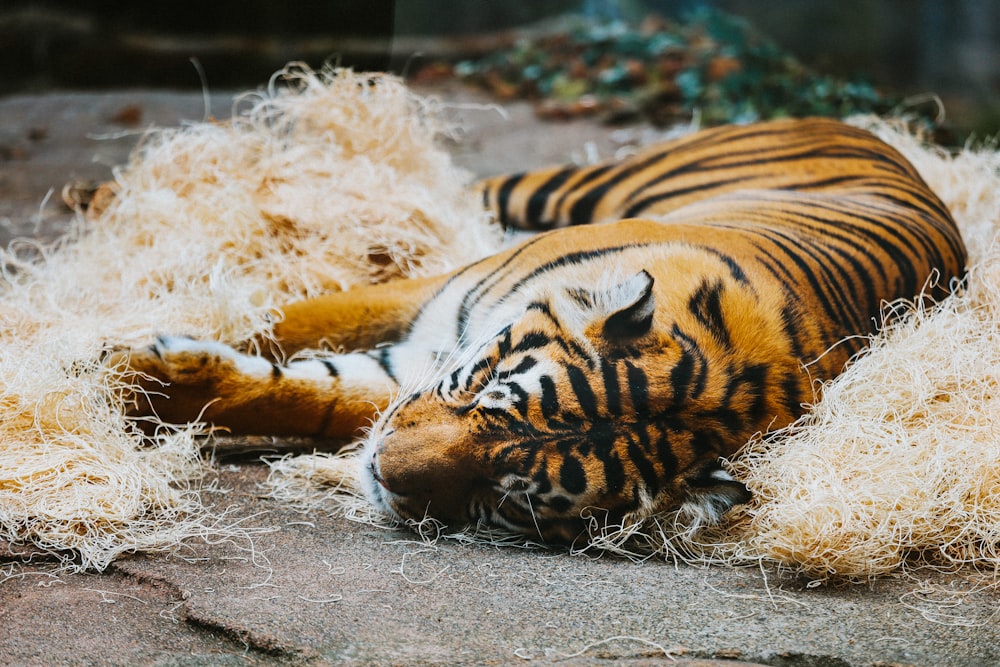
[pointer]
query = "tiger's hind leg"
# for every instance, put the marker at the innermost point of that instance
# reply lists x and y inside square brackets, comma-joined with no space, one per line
[182,380]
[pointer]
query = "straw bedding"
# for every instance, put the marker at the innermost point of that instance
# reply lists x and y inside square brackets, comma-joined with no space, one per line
[323,181]
[330,179]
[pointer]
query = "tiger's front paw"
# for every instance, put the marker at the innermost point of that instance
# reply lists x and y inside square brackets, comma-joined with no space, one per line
[177,379]
[182,360]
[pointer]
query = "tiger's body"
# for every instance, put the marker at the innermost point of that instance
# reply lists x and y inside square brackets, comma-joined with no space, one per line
[598,371]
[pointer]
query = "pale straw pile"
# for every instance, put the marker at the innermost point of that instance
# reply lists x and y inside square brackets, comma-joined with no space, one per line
[323,181]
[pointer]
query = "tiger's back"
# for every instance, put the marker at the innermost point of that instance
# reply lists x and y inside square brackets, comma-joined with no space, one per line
[802,155]
[839,218]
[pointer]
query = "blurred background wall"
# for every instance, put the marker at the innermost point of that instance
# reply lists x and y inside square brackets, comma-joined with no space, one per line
[948,47]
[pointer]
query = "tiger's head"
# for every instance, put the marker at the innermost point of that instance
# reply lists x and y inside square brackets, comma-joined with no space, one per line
[594,405]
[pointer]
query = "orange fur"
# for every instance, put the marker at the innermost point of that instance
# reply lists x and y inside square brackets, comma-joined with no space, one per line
[598,371]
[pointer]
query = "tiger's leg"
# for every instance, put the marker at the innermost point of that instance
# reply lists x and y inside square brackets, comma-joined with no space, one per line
[181,380]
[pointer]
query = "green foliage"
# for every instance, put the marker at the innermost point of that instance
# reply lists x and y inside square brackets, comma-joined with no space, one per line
[714,64]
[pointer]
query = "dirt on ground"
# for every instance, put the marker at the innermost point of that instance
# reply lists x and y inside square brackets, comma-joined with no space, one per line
[318,588]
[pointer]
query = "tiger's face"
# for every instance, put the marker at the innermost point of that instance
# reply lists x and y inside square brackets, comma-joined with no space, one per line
[591,408]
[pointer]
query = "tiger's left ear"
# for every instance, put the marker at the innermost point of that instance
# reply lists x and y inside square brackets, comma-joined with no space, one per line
[635,306]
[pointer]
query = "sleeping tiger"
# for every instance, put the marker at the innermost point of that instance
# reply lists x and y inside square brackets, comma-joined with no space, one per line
[597,373]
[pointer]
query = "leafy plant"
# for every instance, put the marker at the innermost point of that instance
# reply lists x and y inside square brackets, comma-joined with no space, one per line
[715,64]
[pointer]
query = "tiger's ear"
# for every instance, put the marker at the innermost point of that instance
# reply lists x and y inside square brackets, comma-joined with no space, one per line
[635,307]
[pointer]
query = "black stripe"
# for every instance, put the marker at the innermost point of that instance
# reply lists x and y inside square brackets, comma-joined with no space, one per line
[573,347]
[791,387]
[887,238]
[587,175]
[735,270]
[479,291]
[774,265]
[716,160]
[690,369]
[521,404]
[903,224]
[330,368]
[637,455]
[646,469]
[930,243]
[538,199]
[845,229]
[549,399]
[571,475]
[483,364]
[579,256]
[503,345]
[648,201]
[805,151]
[545,309]
[474,294]
[638,387]
[614,474]
[665,455]
[581,387]
[836,282]
[612,393]
[526,364]
[753,379]
[531,341]
[791,326]
[525,452]
[328,414]
[706,306]
[503,198]
[918,190]
[582,210]
[839,286]
[383,359]
[793,250]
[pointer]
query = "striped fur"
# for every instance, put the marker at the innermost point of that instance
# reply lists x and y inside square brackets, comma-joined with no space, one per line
[597,374]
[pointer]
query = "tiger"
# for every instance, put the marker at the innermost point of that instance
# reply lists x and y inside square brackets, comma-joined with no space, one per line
[671,306]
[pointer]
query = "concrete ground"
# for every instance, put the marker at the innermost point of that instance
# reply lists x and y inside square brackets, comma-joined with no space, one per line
[321,589]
